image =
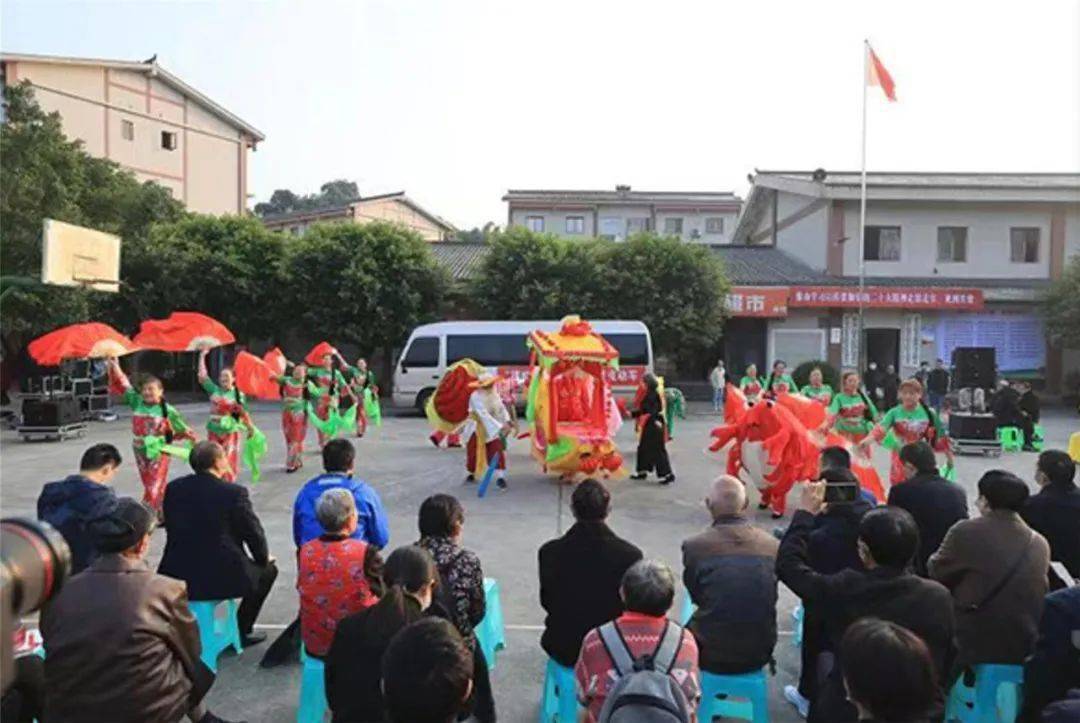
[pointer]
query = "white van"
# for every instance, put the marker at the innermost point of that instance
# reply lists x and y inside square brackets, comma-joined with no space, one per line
[500,346]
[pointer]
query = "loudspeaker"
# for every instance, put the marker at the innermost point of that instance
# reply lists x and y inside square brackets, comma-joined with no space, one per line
[974,366]
[972,426]
[57,412]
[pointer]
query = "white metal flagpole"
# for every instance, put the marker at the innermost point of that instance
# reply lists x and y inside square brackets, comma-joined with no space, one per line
[862,356]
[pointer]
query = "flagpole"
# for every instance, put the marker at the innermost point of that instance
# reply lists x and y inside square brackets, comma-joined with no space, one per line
[862,356]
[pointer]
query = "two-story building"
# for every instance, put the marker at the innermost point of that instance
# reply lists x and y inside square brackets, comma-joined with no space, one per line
[393,207]
[148,121]
[949,260]
[700,217]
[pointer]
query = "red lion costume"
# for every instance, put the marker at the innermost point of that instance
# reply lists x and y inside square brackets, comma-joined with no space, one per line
[777,443]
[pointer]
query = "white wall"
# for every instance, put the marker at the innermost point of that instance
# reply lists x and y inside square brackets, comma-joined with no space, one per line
[807,238]
[555,221]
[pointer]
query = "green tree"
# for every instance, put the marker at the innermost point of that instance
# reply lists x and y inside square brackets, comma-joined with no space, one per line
[1062,306]
[365,284]
[47,176]
[332,193]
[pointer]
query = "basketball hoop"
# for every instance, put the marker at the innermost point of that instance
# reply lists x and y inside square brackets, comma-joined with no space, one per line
[77,256]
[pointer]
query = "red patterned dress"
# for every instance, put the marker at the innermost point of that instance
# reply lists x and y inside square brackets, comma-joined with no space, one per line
[293,421]
[328,386]
[334,577]
[228,415]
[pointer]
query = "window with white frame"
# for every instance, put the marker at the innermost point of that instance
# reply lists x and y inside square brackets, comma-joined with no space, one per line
[535,223]
[714,224]
[952,244]
[882,243]
[575,224]
[169,140]
[1024,245]
[673,226]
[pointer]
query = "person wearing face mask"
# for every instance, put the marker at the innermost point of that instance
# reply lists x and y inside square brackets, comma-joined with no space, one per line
[228,414]
[996,568]
[875,382]
[354,662]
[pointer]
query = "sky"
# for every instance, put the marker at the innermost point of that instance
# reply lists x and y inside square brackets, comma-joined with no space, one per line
[455,102]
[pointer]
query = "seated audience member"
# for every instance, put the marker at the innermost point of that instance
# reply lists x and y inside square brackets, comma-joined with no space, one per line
[121,644]
[354,663]
[209,524]
[1054,667]
[934,502]
[729,572]
[833,546]
[336,574]
[69,504]
[1029,402]
[580,574]
[888,540]
[996,568]
[1054,512]
[1006,408]
[888,672]
[839,458]
[648,589]
[24,700]
[461,587]
[426,673]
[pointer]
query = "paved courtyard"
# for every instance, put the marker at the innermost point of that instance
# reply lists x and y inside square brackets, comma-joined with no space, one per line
[505,529]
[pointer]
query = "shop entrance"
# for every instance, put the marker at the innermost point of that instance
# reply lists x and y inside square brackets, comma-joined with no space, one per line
[743,344]
[883,347]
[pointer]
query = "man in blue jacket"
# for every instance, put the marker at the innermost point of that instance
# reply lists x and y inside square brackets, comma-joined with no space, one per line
[68,505]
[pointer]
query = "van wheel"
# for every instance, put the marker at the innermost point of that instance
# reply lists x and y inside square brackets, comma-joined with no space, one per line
[422,397]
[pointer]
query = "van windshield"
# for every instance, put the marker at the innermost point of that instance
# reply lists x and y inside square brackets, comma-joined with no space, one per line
[423,352]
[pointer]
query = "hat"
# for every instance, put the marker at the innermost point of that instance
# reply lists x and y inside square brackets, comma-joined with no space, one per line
[484,380]
[123,527]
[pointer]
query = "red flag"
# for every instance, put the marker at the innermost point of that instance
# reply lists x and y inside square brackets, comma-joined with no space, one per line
[879,76]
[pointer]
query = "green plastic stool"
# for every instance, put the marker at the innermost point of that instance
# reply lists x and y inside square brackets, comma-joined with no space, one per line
[1038,438]
[1012,440]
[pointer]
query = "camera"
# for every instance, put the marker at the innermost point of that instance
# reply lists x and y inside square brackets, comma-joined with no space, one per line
[34,562]
[841,491]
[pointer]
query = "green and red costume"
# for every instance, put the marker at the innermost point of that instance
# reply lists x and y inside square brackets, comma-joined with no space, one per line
[849,416]
[294,420]
[228,417]
[327,387]
[751,388]
[366,391]
[908,426]
[821,394]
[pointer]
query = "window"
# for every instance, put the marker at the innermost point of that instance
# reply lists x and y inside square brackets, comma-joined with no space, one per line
[633,348]
[127,130]
[1024,245]
[952,244]
[535,223]
[575,224]
[423,352]
[491,350]
[882,243]
[168,140]
[637,225]
[673,226]
[714,224]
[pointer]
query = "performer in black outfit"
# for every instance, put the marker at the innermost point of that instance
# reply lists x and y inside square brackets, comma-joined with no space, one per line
[652,449]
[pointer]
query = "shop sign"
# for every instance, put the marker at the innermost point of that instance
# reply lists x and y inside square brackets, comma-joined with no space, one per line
[887,297]
[762,301]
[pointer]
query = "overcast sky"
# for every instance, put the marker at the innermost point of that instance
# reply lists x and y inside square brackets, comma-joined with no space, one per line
[457,101]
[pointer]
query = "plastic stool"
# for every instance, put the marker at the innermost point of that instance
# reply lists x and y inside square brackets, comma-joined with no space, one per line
[996,697]
[1038,437]
[687,609]
[559,702]
[717,691]
[491,633]
[1074,446]
[312,690]
[1012,440]
[797,615]
[216,633]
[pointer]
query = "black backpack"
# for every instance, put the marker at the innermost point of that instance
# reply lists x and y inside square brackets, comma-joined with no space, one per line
[644,692]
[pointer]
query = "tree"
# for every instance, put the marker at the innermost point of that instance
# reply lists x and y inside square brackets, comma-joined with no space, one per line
[229,267]
[365,284]
[332,193]
[477,234]
[1062,306]
[47,176]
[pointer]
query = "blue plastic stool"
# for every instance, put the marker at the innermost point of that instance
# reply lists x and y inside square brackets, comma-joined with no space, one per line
[996,697]
[216,633]
[751,687]
[312,690]
[1012,440]
[559,702]
[491,633]
[797,615]
[687,609]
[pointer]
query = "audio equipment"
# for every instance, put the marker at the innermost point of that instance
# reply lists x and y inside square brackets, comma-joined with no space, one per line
[54,412]
[974,366]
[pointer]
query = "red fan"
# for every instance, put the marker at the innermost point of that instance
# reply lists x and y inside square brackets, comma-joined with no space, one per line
[183,331]
[80,341]
[320,350]
[255,378]
[275,360]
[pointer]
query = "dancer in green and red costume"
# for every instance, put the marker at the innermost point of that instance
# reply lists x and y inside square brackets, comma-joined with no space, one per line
[155,423]
[750,385]
[779,381]
[296,391]
[911,421]
[366,392]
[329,385]
[817,389]
[851,413]
[228,414]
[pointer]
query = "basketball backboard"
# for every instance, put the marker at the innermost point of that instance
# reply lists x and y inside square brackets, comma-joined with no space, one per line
[77,256]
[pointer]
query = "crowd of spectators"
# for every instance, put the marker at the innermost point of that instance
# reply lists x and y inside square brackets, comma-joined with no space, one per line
[899,601]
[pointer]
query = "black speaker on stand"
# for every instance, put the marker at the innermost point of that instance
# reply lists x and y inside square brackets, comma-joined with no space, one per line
[974,367]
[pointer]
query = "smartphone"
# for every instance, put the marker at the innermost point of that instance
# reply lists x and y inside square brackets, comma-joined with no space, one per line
[841,492]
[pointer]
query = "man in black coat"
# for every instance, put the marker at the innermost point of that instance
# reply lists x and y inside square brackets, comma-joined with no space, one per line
[208,523]
[934,502]
[1055,511]
[888,539]
[580,574]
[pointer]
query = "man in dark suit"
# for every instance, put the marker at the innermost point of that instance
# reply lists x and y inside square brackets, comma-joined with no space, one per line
[1055,511]
[580,574]
[208,523]
[934,502]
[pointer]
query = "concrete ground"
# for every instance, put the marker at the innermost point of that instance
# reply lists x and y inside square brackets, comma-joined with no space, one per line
[505,529]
